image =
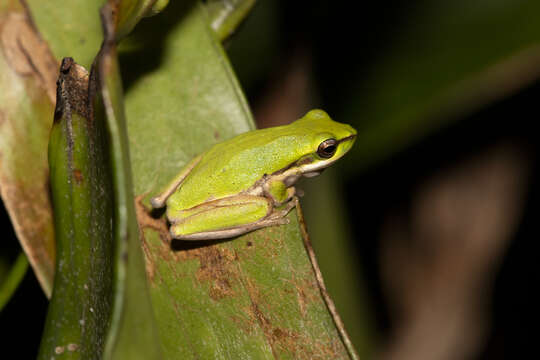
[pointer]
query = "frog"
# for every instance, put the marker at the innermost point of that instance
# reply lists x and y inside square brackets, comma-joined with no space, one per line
[247,182]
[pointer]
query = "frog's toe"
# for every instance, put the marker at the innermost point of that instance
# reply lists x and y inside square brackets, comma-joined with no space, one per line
[174,233]
[157,202]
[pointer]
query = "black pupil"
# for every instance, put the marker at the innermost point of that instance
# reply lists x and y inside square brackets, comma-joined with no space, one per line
[330,149]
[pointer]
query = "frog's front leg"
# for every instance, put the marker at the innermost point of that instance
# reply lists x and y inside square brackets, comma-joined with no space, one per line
[278,191]
[160,200]
[225,218]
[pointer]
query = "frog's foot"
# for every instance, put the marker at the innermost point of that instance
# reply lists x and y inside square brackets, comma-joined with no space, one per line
[281,213]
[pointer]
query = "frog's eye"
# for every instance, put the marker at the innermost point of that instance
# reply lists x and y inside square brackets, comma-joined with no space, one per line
[327,148]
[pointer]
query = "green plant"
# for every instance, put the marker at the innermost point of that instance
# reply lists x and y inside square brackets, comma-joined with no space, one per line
[120,287]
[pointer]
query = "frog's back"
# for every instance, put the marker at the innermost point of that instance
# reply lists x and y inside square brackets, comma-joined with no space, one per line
[234,165]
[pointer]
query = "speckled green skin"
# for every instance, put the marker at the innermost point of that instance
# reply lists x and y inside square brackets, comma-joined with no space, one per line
[235,165]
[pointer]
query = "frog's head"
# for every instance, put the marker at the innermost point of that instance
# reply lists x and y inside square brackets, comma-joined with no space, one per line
[329,141]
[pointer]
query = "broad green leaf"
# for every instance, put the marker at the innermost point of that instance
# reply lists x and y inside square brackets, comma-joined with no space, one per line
[71,28]
[132,334]
[80,307]
[27,76]
[251,297]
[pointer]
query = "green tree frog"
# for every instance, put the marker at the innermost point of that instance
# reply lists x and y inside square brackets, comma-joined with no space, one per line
[246,183]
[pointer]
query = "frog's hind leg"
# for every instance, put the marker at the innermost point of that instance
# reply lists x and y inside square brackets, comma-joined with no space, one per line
[231,232]
[227,217]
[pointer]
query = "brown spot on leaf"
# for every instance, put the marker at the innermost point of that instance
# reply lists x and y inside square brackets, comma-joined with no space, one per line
[78,176]
[259,316]
[302,301]
[287,339]
[281,340]
[307,293]
[146,221]
[220,288]
[216,267]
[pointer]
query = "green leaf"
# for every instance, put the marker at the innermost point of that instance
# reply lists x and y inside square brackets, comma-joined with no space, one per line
[226,16]
[10,281]
[132,334]
[71,28]
[27,76]
[251,297]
